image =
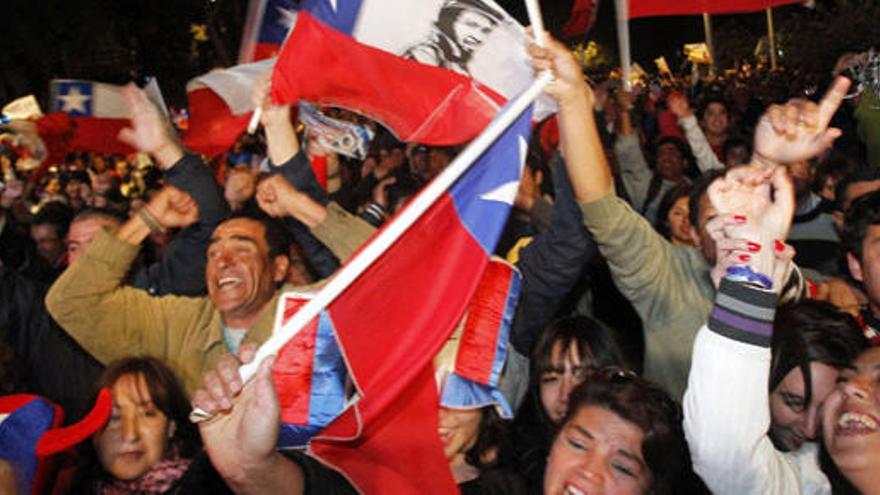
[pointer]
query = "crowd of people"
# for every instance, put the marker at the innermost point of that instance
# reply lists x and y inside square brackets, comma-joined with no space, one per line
[700,295]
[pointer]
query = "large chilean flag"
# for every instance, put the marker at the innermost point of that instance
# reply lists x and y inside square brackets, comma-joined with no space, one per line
[393,319]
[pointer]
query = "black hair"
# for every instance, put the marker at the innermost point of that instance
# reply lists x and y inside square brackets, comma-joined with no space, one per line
[682,190]
[810,331]
[451,9]
[648,407]
[166,393]
[94,212]
[712,98]
[57,215]
[860,174]
[701,185]
[735,142]
[862,213]
[276,234]
[492,440]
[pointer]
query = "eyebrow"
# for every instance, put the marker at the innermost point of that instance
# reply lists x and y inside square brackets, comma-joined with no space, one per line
[242,238]
[625,453]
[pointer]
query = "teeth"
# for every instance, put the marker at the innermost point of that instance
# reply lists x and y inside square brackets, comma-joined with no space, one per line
[856,421]
[227,280]
[570,490]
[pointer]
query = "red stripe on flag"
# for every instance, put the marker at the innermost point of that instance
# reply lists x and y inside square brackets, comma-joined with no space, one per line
[646,8]
[476,352]
[98,135]
[417,102]
[390,323]
[213,128]
[292,371]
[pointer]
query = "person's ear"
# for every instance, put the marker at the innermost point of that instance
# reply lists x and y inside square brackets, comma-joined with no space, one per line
[280,264]
[855,267]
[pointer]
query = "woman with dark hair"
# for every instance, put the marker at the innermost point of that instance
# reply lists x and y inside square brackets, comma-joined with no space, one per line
[812,342]
[622,435]
[673,215]
[563,354]
[462,26]
[148,441]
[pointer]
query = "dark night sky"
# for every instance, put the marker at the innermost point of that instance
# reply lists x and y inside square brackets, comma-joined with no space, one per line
[116,40]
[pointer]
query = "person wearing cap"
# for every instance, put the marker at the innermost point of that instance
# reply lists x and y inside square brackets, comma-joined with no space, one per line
[461,28]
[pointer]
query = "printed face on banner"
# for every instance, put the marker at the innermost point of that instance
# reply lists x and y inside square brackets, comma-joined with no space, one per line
[471,37]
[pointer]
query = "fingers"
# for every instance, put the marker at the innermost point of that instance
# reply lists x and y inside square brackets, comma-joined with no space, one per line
[221,385]
[831,101]
[247,353]
[127,136]
[717,225]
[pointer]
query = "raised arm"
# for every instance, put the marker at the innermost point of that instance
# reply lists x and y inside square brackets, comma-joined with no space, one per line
[579,138]
[706,159]
[727,412]
[182,268]
[89,300]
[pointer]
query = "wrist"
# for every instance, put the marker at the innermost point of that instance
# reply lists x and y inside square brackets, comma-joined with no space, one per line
[167,154]
[762,161]
[134,231]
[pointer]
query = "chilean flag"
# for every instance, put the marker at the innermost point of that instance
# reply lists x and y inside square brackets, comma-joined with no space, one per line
[482,350]
[98,112]
[394,318]
[220,106]
[499,60]
[417,102]
[648,8]
[309,375]
[265,28]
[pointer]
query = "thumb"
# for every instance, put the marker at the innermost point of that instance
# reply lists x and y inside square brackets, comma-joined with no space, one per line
[127,136]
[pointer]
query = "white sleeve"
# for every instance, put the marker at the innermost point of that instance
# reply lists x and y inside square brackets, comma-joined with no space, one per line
[726,419]
[634,170]
[706,158]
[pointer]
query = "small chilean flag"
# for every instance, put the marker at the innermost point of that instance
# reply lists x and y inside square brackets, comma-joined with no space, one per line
[482,349]
[309,375]
[98,112]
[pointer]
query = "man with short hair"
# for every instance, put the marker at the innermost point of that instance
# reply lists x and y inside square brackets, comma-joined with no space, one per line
[861,239]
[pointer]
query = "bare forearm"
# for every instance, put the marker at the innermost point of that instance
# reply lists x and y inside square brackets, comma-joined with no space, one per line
[168,154]
[134,231]
[277,476]
[281,141]
[584,155]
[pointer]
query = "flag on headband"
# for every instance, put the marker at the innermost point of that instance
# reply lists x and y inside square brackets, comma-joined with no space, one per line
[475,38]
[394,318]
[30,435]
[309,375]
[98,112]
[482,349]
[647,8]
[266,26]
[220,106]
[417,102]
[336,135]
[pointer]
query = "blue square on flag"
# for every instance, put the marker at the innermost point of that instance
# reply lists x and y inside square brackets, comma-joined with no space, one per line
[74,98]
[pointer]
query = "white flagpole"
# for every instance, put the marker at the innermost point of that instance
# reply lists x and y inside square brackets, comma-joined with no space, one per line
[420,204]
[534,10]
[621,7]
[710,43]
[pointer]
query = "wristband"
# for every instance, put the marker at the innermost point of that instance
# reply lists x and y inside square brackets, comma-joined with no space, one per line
[744,273]
[148,218]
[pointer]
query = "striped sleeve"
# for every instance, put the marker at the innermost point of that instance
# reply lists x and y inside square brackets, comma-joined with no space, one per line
[744,313]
